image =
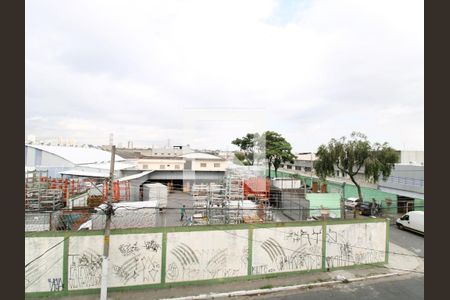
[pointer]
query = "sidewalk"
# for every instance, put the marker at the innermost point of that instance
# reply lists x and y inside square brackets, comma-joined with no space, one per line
[404,260]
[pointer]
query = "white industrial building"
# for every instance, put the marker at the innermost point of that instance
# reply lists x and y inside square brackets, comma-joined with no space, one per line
[74,161]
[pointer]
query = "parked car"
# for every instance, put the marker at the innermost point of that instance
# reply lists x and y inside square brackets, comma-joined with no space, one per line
[351,203]
[365,209]
[413,220]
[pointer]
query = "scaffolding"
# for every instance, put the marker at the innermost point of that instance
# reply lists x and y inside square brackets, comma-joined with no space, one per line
[216,204]
[247,195]
[120,190]
[46,193]
[200,194]
[39,195]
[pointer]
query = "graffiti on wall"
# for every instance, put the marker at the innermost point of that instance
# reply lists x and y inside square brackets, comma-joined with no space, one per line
[355,244]
[286,249]
[85,269]
[135,259]
[43,264]
[139,263]
[189,258]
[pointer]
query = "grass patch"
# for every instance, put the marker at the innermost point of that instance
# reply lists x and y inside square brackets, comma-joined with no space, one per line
[267,286]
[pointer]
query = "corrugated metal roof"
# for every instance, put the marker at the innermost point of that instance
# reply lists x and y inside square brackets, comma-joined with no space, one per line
[105,166]
[402,193]
[77,155]
[135,176]
[80,173]
[200,155]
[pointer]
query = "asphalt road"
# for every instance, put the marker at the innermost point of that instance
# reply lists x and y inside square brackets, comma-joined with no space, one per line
[411,288]
[409,240]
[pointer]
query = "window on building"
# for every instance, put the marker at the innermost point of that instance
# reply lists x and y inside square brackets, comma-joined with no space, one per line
[145,167]
[337,173]
[307,169]
[203,165]
[162,167]
[289,166]
[216,165]
[298,168]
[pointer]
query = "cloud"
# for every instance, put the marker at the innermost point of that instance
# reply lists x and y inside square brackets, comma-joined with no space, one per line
[318,69]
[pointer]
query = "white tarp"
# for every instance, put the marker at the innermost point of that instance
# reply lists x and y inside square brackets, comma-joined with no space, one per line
[156,192]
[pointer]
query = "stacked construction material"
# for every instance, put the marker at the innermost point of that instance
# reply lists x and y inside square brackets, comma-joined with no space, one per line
[135,214]
[199,190]
[156,192]
[94,200]
[257,187]
[287,183]
[238,209]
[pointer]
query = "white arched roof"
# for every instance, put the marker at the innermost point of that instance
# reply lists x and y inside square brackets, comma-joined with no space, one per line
[78,155]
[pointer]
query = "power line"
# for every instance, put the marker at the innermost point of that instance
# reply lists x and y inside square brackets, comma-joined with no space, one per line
[41,255]
[35,259]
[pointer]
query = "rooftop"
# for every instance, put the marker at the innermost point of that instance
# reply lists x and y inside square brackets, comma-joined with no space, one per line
[77,155]
[307,156]
[200,155]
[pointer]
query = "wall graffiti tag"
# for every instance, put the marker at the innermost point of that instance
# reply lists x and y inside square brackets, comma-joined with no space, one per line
[43,272]
[188,258]
[355,244]
[286,249]
[134,259]
[85,270]
[55,284]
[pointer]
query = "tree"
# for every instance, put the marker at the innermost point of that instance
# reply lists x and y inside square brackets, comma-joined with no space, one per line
[248,145]
[277,150]
[350,155]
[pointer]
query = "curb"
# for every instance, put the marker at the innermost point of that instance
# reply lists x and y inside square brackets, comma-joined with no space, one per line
[280,289]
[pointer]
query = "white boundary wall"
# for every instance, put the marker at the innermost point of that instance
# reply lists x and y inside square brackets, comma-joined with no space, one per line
[45,258]
[287,249]
[200,253]
[206,255]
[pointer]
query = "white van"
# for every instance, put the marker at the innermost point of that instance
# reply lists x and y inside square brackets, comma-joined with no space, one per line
[413,220]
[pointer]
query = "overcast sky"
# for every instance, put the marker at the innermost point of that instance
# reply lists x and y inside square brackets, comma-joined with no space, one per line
[205,72]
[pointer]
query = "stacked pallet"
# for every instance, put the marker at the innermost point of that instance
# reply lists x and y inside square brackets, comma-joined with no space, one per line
[94,200]
[251,219]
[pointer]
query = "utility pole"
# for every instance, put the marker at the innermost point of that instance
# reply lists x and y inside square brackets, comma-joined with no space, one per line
[108,212]
[343,199]
[311,171]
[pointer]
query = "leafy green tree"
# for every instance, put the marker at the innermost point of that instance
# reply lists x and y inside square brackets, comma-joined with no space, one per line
[350,155]
[247,144]
[277,150]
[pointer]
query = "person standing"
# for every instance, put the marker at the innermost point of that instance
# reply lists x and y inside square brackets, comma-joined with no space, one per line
[182,212]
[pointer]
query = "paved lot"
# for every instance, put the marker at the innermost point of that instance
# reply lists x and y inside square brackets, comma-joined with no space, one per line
[171,215]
